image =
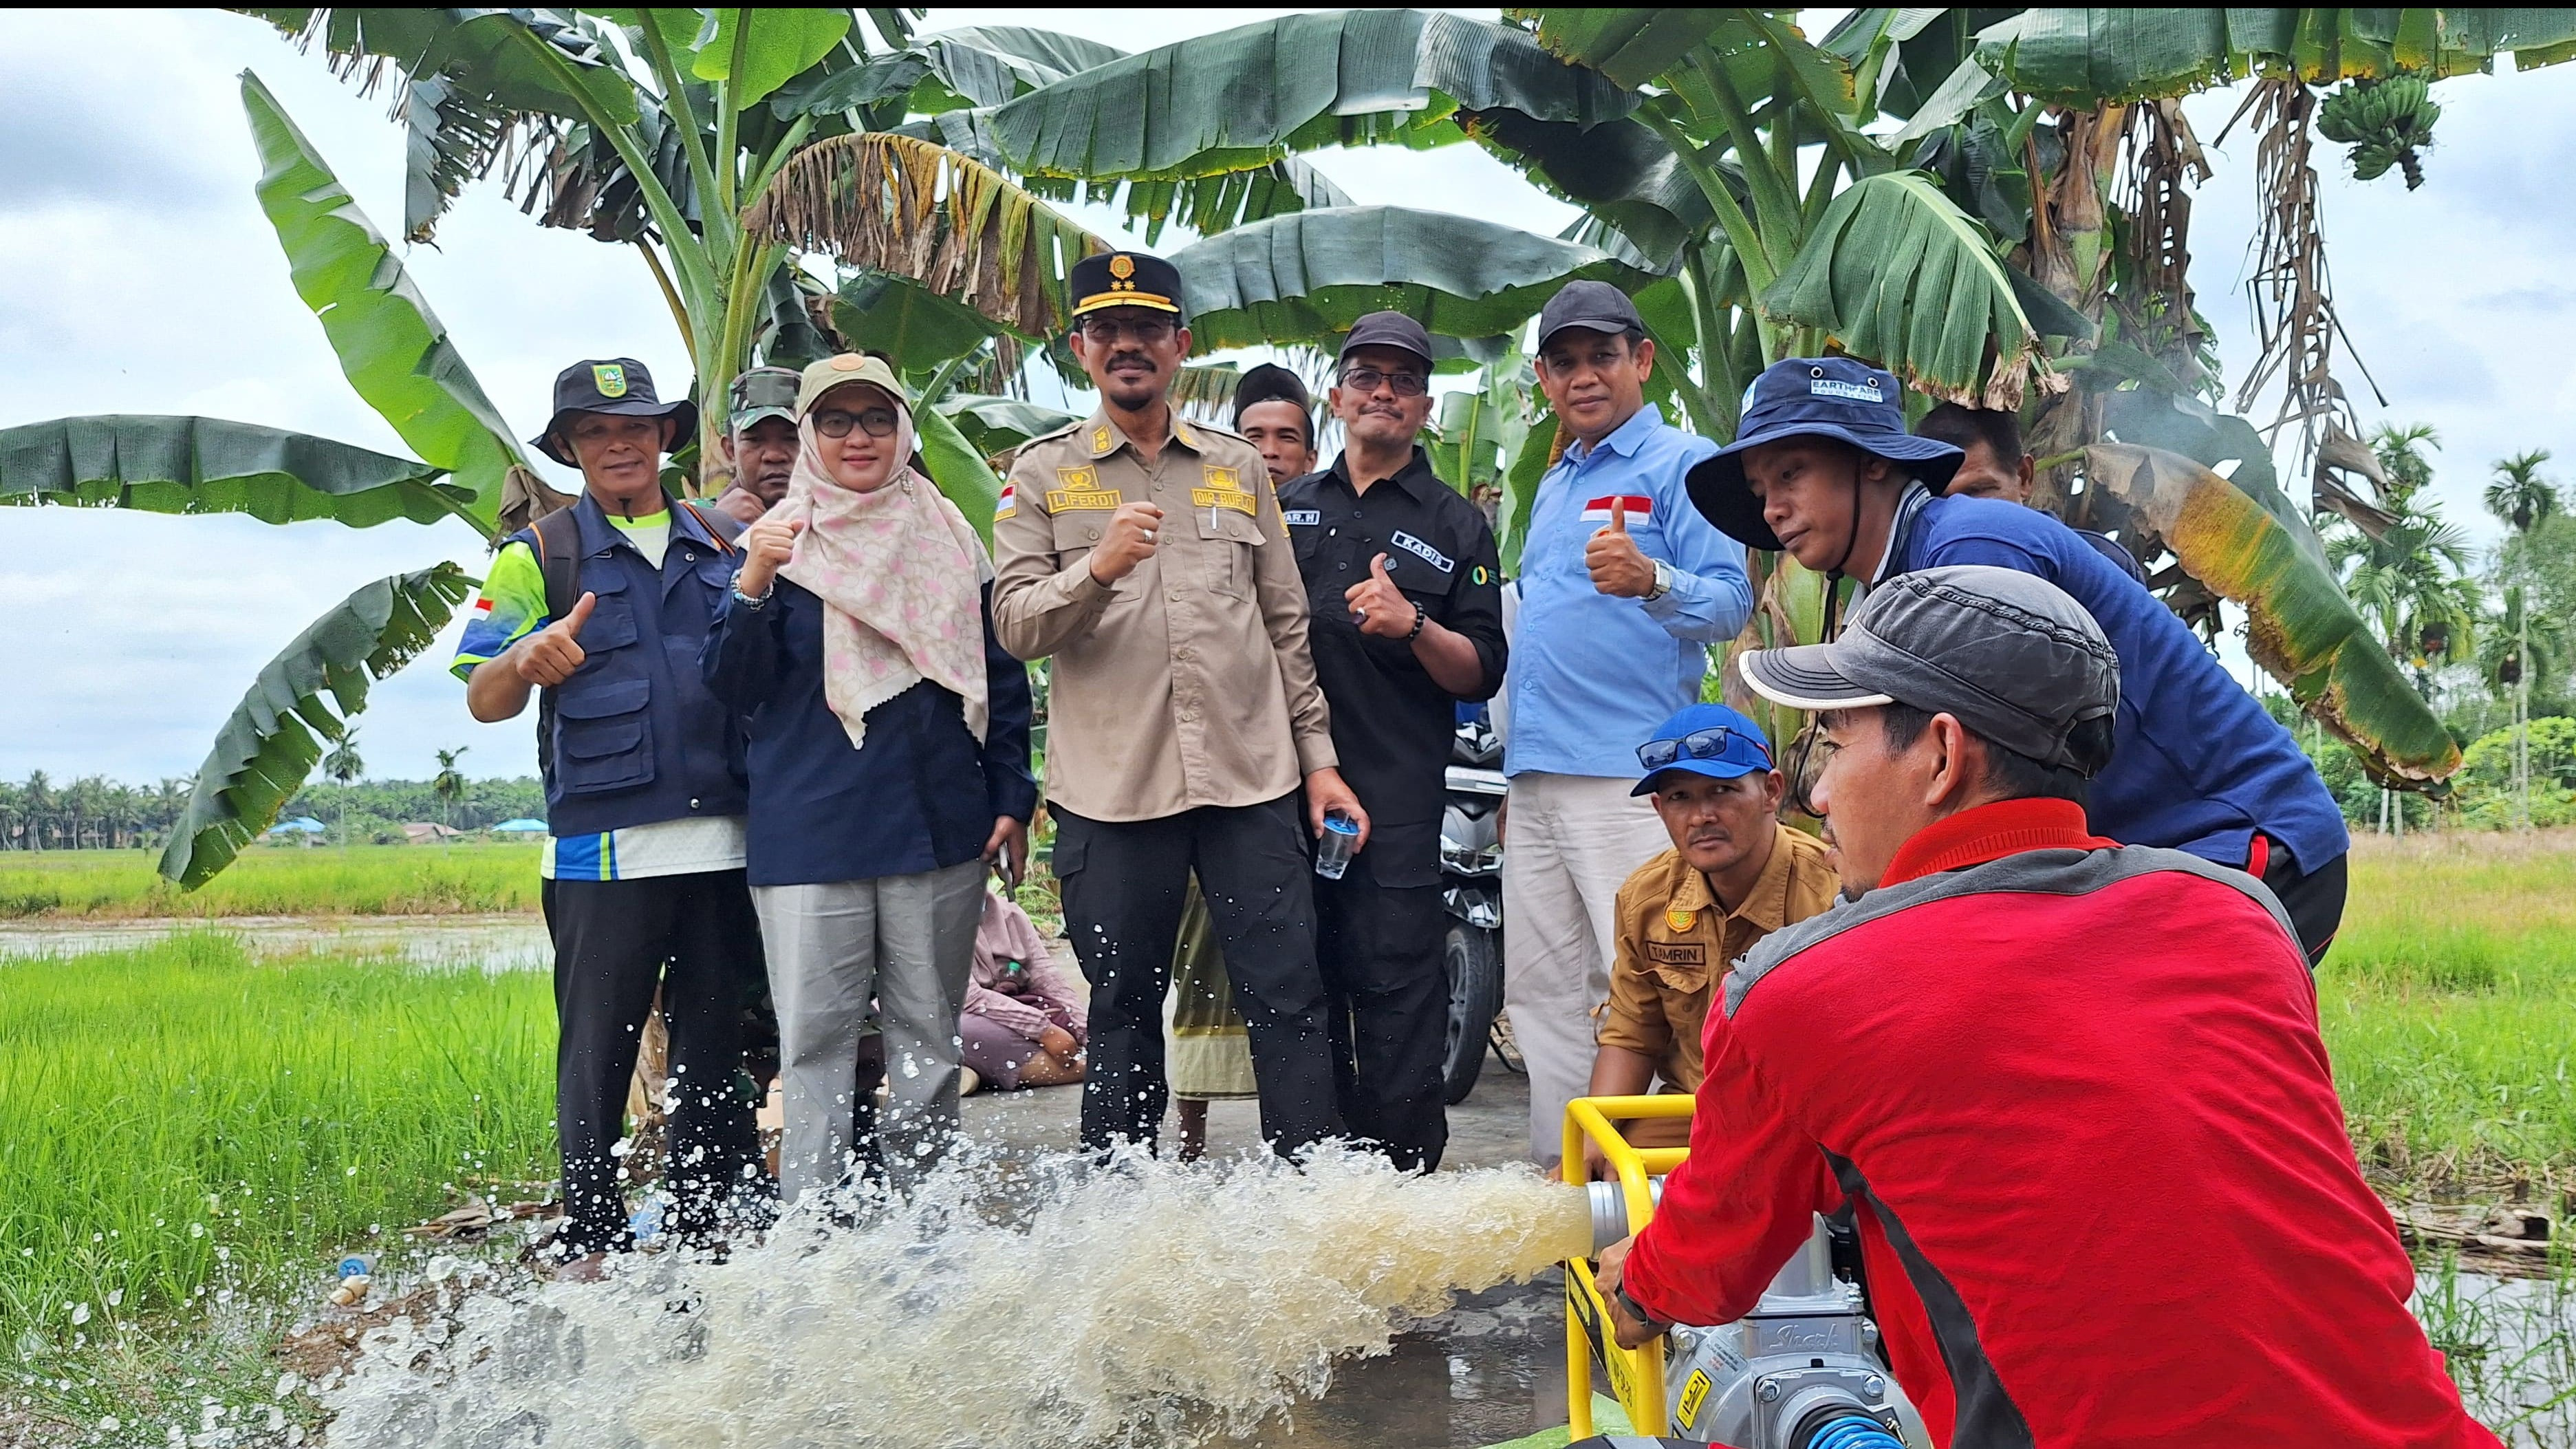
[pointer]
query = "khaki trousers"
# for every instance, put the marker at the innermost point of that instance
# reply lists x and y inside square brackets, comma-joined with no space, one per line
[1569,843]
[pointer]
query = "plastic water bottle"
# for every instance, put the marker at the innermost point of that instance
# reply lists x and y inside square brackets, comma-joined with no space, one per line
[1333,851]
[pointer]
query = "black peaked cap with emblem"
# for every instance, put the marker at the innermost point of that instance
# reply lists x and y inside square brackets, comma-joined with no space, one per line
[1126,279]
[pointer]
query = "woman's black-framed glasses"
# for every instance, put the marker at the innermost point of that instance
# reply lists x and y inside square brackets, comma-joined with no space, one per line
[836,423]
[1707,744]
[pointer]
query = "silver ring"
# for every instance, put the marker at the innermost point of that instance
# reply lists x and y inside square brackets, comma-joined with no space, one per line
[1149,535]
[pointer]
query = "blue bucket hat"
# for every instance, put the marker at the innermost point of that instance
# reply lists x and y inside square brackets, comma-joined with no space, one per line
[1813,397]
[1704,739]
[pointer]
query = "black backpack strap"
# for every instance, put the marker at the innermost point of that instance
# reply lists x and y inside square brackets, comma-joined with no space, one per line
[559,557]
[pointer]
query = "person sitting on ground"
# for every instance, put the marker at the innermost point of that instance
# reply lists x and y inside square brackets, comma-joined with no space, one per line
[1734,875]
[1993,463]
[888,749]
[1824,468]
[2072,1090]
[759,442]
[1023,1022]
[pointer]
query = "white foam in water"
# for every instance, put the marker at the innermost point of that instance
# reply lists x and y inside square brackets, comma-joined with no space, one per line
[1147,1303]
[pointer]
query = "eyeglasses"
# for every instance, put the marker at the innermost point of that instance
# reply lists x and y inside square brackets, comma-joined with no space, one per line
[1148,331]
[834,423]
[1406,384]
[1707,744]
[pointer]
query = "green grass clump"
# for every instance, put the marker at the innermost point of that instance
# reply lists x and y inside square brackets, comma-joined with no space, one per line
[363,880]
[181,1123]
[2449,1006]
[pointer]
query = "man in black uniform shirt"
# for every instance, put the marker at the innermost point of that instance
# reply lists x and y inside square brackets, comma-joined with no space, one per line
[1407,620]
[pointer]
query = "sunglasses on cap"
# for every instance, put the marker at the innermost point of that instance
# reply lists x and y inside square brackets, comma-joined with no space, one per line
[876,422]
[1707,744]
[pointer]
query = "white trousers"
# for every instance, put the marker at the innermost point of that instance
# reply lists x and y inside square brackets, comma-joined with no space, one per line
[1570,842]
[904,942]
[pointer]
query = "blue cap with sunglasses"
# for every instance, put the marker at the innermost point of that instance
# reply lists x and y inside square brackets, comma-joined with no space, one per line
[1705,739]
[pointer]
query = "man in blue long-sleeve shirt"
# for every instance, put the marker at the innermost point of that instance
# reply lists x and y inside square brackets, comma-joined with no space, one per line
[1623,586]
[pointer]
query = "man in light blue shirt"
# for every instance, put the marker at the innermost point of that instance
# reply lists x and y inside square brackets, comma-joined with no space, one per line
[1623,586]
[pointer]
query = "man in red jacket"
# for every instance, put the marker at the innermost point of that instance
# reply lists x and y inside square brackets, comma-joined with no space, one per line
[2072,1090]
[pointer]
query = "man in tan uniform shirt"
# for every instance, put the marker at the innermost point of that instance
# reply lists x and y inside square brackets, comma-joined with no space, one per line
[1734,875]
[1147,555]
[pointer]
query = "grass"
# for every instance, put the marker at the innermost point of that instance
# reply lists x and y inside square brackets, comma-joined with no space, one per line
[2449,1006]
[363,880]
[188,1136]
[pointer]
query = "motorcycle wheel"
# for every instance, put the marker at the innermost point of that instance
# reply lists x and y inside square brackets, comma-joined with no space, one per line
[1475,965]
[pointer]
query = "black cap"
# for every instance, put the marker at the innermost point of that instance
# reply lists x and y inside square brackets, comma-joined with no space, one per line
[1126,279]
[2010,654]
[1592,306]
[1841,398]
[618,385]
[1270,382]
[1389,329]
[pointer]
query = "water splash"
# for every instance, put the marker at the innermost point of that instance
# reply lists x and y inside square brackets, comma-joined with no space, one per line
[1053,1305]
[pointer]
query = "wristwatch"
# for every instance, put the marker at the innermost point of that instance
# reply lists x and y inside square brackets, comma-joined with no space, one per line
[1635,1309]
[1663,581]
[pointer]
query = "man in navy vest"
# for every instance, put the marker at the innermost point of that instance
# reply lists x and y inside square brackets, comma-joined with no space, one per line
[644,799]
[1823,467]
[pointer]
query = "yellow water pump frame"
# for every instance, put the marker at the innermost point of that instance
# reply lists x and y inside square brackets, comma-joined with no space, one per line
[1636,1374]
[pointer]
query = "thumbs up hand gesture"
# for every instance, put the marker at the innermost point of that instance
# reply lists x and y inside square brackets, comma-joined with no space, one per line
[766,548]
[1617,566]
[1378,606]
[549,656]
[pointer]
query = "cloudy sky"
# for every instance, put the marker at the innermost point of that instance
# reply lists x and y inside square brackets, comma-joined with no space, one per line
[137,275]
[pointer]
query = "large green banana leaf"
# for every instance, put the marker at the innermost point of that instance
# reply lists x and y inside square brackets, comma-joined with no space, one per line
[976,66]
[391,347]
[1619,172]
[1245,97]
[210,465]
[274,737]
[2082,57]
[759,50]
[1520,483]
[1755,49]
[1307,276]
[1897,273]
[995,425]
[2300,627]
[916,327]
[958,467]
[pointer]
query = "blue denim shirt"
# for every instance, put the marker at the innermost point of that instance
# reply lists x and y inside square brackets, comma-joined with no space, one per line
[1592,675]
[2196,763]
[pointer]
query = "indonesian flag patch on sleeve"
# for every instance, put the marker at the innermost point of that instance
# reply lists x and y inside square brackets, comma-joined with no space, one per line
[1008,503]
[1638,507]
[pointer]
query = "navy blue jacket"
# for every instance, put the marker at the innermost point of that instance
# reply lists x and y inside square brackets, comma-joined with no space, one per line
[637,737]
[921,796]
[2196,763]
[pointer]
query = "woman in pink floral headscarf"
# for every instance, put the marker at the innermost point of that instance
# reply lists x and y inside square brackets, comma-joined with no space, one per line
[889,769]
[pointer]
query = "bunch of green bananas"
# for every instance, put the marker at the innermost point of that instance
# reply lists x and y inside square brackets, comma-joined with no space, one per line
[2386,122]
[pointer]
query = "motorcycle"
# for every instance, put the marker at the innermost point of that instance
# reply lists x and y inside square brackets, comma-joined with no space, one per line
[1471,889]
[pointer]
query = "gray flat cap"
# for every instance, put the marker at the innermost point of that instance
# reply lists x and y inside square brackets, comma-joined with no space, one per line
[2008,653]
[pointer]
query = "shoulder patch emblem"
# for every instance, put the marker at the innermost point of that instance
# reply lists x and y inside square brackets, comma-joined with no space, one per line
[1423,551]
[1302,517]
[1480,575]
[1681,920]
[1080,490]
[1224,490]
[1008,504]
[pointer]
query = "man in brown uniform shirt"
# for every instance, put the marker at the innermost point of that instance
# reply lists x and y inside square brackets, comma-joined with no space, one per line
[1734,875]
[1147,556]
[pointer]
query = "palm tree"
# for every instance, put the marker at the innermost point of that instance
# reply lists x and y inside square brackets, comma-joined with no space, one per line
[2521,498]
[2407,582]
[450,785]
[2399,449]
[345,766]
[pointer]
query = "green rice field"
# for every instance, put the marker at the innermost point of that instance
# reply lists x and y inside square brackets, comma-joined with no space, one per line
[191,1133]
[362,880]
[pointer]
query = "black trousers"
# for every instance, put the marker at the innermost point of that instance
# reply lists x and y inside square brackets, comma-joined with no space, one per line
[1124,883]
[2313,898]
[615,940]
[1388,1009]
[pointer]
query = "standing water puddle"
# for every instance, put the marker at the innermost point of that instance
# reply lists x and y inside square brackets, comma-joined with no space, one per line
[1052,1306]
